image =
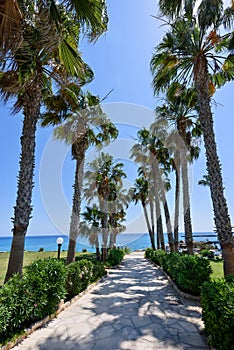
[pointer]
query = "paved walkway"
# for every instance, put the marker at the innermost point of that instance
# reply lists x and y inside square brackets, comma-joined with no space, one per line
[134,308]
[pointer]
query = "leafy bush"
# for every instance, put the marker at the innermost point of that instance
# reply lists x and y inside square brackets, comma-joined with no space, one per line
[46,282]
[13,306]
[78,276]
[217,300]
[127,250]
[98,271]
[188,271]
[156,256]
[191,272]
[205,252]
[26,299]
[148,252]
[115,256]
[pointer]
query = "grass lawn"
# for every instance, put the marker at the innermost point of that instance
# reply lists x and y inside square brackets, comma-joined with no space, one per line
[29,257]
[217,267]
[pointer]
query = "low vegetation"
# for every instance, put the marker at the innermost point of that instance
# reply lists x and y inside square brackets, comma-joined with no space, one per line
[35,295]
[188,272]
[217,300]
[193,274]
[26,299]
[30,257]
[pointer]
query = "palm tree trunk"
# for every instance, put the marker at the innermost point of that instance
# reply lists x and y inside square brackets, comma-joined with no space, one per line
[152,224]
[160,234]
[97,249]
[147,222]
[105,231]
[177,202]
[79,154]
[23,208]
[115,234]
[112,240]
[186,203]
[221,214]
[112,234]
[159,184]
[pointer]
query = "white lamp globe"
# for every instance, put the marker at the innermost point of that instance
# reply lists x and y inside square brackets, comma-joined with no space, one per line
[59,240]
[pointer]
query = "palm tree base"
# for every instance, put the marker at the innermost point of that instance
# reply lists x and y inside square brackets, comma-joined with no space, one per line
[15,264]
[228,258]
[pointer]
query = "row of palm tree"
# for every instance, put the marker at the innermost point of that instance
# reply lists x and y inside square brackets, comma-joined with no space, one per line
[40,53]
[82,124]
[196,52]
[169,145]
[104,186]
[39,50]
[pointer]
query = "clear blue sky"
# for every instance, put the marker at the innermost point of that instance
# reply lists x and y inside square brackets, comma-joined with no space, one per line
[120,60]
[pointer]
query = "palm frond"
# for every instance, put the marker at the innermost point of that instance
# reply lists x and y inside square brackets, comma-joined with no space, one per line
[10,24]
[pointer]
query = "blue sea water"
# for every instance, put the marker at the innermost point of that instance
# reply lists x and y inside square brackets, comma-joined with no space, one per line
[134,241]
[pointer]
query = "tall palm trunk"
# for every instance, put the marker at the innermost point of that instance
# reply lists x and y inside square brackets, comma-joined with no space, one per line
[177,202]
[160,234]
[159,184]
[151,203]
[78,151]
[112,233]
[97,248]
[186,202]
[23,208]
[147,222]
[105,231]
[221,215]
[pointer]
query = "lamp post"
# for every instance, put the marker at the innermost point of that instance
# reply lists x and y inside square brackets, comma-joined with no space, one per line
[59,241]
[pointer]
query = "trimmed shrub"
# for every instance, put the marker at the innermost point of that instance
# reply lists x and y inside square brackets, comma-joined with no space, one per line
[189,272]
[156,256]
[26,299]
[115,256]
[78,276]
[46,283]
[217,300]
[148,253]
[98,271]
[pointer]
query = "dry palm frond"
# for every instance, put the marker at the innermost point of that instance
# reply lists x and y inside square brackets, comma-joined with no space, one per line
[10,23]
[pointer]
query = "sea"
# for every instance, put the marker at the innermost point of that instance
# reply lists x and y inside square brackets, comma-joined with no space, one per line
[134,241]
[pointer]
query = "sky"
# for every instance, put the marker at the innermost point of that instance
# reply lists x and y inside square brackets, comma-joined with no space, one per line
[120,60]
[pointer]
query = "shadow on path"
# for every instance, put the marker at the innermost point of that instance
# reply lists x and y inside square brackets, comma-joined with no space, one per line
[134,308]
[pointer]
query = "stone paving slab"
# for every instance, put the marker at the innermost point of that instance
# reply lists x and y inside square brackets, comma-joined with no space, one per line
[134,308]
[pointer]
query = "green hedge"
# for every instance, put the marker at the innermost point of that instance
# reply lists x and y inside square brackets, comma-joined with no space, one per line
[217,300]
[26,299]
[115,256]
[189,272]
[78,277]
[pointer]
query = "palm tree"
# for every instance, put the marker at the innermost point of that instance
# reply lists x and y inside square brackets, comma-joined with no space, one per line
[119,200]
[91,16]
[188,54]
[140,193]
[44,52]
[116,220]
[84,124]
[140,154]
[157,157]
[179,109]
[103,180]
[93,216]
